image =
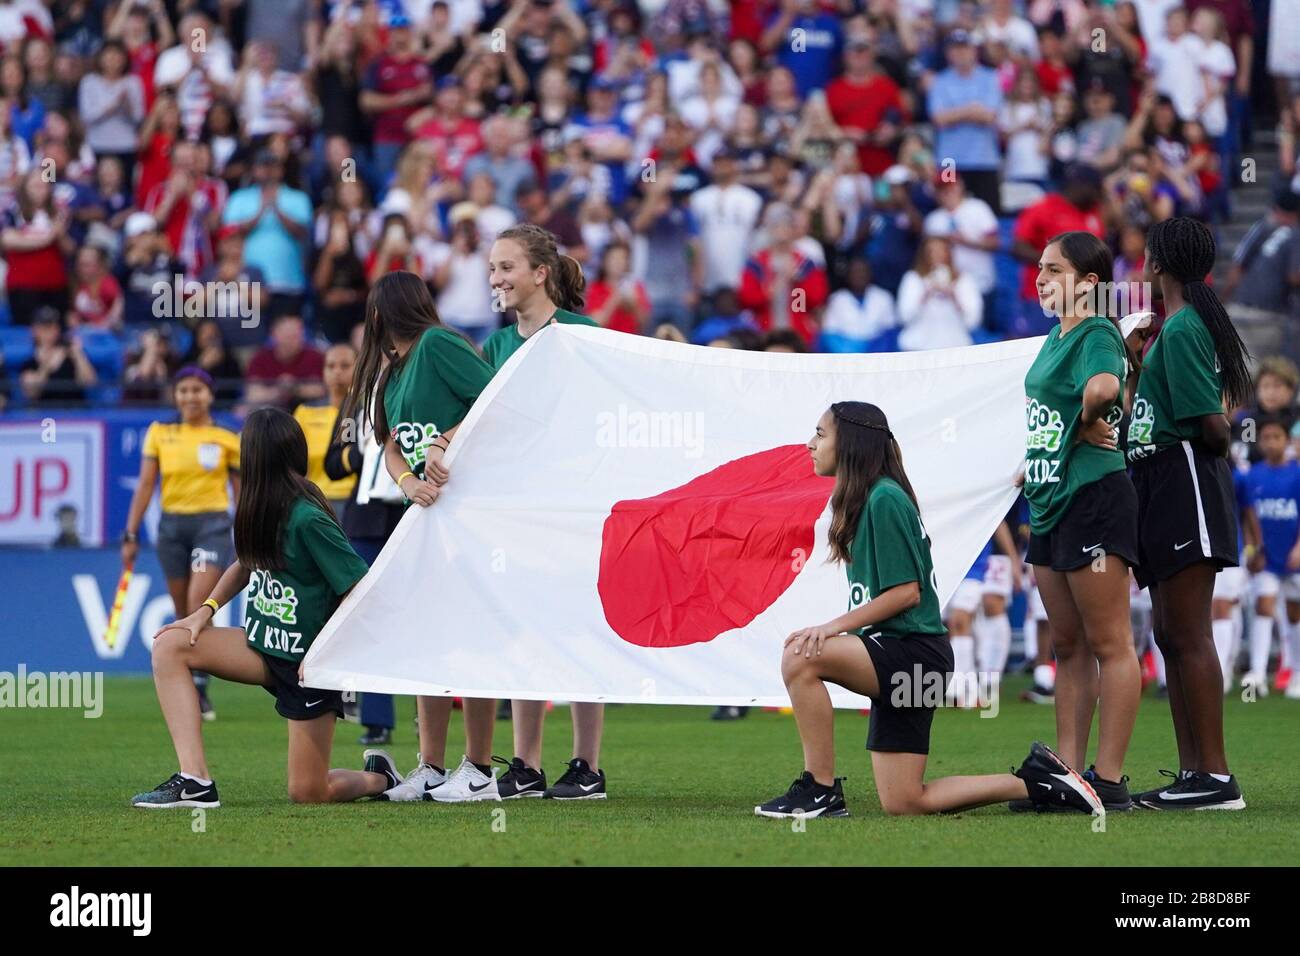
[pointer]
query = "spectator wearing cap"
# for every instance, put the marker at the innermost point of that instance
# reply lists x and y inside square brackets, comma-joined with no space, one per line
[807,41]
[781,286]
[188,206]
[1264,281]
[964,102]
[397,84]
[236,285]
[287,371]
[34,240]
[271,99]
[972,230]
[111,103]
[58,371]
[147,262]
[1076,208]
[500,160]
[726,214]
[867,106]
[459,270]
[605,135]
[274,220]
[453,136]
[895,227]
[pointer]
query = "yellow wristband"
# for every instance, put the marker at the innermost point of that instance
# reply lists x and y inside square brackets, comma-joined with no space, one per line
[402,477]
[212,604]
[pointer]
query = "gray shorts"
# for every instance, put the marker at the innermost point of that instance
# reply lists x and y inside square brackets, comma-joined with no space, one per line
[189,543]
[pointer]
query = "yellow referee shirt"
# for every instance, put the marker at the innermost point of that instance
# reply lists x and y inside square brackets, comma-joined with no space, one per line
[195,462]
[317,423]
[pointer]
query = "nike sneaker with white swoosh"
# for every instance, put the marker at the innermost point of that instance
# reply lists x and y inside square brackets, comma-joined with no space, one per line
[579,782]
[178,791]
[467,784]
[424,777]
[520,780]
[806,797]
[1054,784]
[1195,791]
[1114,794]
[378,761]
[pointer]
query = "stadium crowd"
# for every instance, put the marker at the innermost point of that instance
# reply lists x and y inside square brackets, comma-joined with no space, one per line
[832,176]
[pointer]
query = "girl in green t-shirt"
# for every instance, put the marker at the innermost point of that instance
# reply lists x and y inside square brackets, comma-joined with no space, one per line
[1178,443]
[423,377]
[1083,509]
[290,546]
[890,645]
[528,274]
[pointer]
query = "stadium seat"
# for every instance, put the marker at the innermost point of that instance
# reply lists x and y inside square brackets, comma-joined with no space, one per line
[16,344]
[104,350]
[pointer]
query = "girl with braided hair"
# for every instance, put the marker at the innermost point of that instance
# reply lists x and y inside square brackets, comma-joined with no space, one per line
[1178,442]
[890,646]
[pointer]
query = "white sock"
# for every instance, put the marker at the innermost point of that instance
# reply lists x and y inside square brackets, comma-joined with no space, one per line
[961,689]
[992,645]
[1261,637]
[1045,677]
[198,780]
[1223,644]
[1291,645]
[1030,631]
[1221,777]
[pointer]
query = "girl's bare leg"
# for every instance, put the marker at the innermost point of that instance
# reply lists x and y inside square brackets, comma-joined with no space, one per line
[310,778]
[843,661]
[900,781]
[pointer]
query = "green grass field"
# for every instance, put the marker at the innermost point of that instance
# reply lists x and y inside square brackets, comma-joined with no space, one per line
[682,792]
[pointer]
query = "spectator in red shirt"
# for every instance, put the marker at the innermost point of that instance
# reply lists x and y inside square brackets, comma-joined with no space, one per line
[617,300]
[34,239]
[780,285]
[96,296]
[1077,207]
[188,205]
[395,251]
[161,130]
[1054,73]
[455,137]
[867,106]
[131,25]
[397,84]
[287,371]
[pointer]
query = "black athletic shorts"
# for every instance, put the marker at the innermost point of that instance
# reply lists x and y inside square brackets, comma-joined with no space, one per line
[294,702]
[1187,512]
[188,543]
[1102,519]
[901,716]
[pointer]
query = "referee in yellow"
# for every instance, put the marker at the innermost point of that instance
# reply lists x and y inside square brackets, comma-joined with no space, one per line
[198,462]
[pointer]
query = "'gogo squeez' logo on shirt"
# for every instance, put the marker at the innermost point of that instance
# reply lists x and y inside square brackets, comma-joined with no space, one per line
[1142,424]
[272,599]
[413,438]
[1045,427]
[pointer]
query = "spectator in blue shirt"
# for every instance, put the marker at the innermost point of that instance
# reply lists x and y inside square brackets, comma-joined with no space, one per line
[607,137]
[275,221]
[964,102]
[807,42]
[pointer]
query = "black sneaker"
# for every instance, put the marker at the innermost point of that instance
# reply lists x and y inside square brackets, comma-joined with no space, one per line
[579,782]
[806,797]
[729,713]
[1039,695]
[1114,796]
[376,737]
[520,780]
[1052,783]
[1195,790]
[178,791]
[378,761]
[1140,798]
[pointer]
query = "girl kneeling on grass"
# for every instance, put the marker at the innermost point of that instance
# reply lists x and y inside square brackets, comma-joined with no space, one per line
[289,544]
[890,646]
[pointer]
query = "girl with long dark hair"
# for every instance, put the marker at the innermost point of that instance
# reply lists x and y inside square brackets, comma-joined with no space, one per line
[415,382]
[889,646]
[1178,442]
[297,565]
[1083,510]
[528,274]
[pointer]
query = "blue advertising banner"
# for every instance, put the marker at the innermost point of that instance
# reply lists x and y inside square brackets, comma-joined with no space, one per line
[56,612]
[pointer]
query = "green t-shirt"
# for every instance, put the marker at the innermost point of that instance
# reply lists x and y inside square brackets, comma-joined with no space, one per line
[1181,381]
[891,548]
[432,390]
[505,342]
[286,609]
[1056,465]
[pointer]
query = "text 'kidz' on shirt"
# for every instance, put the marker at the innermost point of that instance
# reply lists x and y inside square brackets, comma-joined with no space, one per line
[286,608]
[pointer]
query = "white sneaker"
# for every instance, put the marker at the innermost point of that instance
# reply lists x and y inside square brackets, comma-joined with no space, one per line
[1292,691]
[466,784]
[1257,681]
[424,777]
